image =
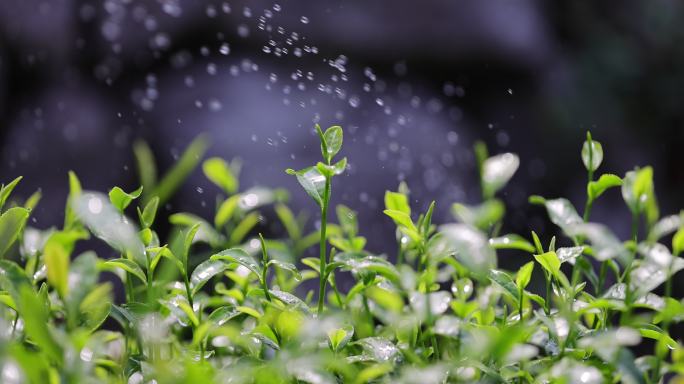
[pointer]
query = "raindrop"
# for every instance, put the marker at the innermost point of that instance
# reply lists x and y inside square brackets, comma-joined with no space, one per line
[304,20]
[225,49]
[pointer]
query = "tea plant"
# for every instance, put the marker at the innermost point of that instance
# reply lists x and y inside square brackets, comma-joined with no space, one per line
[218,302]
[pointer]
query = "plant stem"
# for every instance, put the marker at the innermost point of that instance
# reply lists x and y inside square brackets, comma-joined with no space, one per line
[264,273]
[323,258]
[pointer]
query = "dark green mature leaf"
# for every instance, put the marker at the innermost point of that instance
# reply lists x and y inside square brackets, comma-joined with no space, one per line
[238,256]
[11,224]
[312,181]
[6,190]
[606,181]
[505,281]
[121,199]
[220,173]
[204,272]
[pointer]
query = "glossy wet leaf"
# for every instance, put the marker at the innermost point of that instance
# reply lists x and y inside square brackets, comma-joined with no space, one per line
[549,261]
[592,154]
[604,244]
[362,264]
[220,173]
[204,272]
[333,140]
[569,254]
[511,241]
[497,171]
[223,314]
[562,213]
[658,263]
[379,349]
[439,302]
[108,224]
[312,181]
[471,247]
[57,253]
[36,323]
[128,266]
[505,282]
[238,256]
[286,267]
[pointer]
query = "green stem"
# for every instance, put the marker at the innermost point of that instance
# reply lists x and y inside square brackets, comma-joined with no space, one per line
[322,245]
[547,305]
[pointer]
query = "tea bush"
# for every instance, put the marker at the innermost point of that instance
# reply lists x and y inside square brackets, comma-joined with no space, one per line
[216,302]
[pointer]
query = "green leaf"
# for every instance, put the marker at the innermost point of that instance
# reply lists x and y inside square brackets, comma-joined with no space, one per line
[562,213]
[511,241]
[6,190]
[427,220]
[147,170]
[657,266]
[205,233]
[108,224]
[333,139]
[179,172]
[471,247]
[287,267]
[550,262]
[226,210]
[36,323]
[12,277]
[204,272]
[522,278]
[639,193]
[339,337]
[362,264]
[11,224]
[324,145]
[678,242]
[121,199]
[505,281]
[220,173]
[665,226]
[480,216]
[569,254]
[223,314]
[96,306]
[57,253]
[378,349]
[606,181]
[75,191]
[149,212]
[497,171]
[243,227]
[386,298]
[397,201]
[401,219]
[128,266]
[238,256]
[312,181]
[605,245]
[592,154]
[289,221]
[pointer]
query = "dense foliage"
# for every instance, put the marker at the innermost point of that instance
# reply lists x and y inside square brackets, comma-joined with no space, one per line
[217,302]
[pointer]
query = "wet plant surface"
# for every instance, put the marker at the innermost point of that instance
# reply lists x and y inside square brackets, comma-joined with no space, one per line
[215,301]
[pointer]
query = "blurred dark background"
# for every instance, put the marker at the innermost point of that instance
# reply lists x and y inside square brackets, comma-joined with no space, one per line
[413,83]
